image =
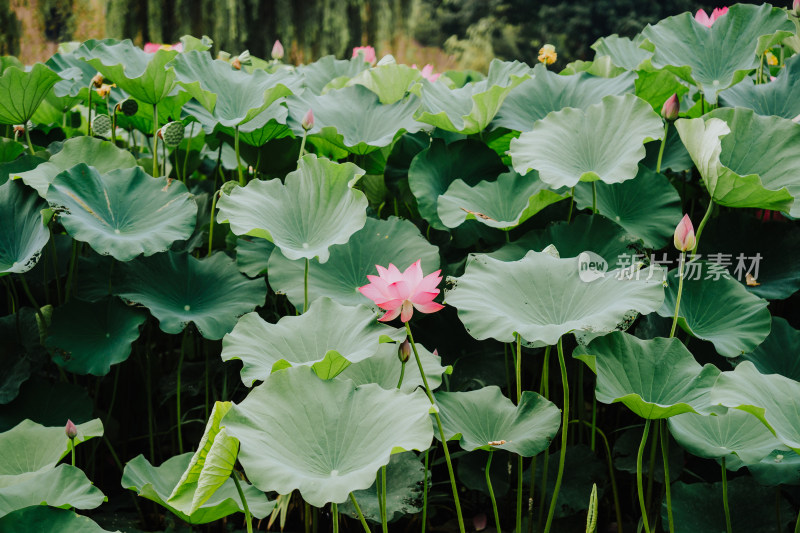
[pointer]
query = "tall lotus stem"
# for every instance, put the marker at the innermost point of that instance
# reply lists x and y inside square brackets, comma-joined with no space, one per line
[518,376]
[678,297]
[155,140]
[28,138]
[702,225]
[639,484]
[491,492]
[247,516]
[305,287]
[335,517]
[564,424]
[360,514]
[667,488]
[725,496]
[238,160]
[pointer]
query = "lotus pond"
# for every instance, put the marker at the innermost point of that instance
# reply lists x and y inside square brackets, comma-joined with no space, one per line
[242,295]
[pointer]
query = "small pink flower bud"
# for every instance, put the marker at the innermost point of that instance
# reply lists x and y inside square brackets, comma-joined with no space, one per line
[71,430]
[684,235]
[308,120]
[277,50]
[404,351]
[671,109]
[796,8]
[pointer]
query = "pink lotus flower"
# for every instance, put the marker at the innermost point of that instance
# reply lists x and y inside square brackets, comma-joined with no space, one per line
[684,238]
[427,72]
[399,293]
[367,53]
[152,48]
[707,21]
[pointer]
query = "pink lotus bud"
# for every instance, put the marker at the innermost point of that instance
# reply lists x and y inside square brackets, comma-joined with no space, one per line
[479,521]
[71,430]
[671,109]
[277,50]
[796,8]
[308,120]
[684,235]
[404,351]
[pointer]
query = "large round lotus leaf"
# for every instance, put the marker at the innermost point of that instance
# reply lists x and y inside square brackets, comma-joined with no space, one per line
[746,160]
[328,337]
[542,298]
[23,92]
[156,483]
[318,74]
[484,419]
[252,255]
[353,118]
[77,74]
[656,378]
[267,125]
[178,289]
[315,208]
[774,399]
[778,354]
[87,338]
[740,241]
[736,327]
[720,435]
[324,438]
[504,204]
[647,206]
[471,108]
[123,213]
[142,75]
[603,142]
[233,96]
[64,486]
[780,97]
[379,242]
[390,82]
[623,51]
[44,519]
[97,153]
[717,57]
[10,150]
[781,467]
[22,230]
[547,91]
[435,168]
[12,169]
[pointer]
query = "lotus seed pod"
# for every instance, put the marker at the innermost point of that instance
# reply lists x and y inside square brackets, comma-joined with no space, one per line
[129,107]
[101,125]
[172,133]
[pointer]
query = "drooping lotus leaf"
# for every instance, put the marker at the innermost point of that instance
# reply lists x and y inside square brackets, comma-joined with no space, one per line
[328,337]
[780,97]
[656,378]
[603,142]
[23,91]
[319,73]
[233,96]
[781,467]
[471,108]
[97,153]
[484,419]
[717,57]
[178,289]
[22,230]
[379,242]
[778,353]
[87,338]
[734,328]
[505,203]
[353,119]
[44,519]
[623,51]
[547,91]
[647,207]
[746,160]
[436,167]
[123,213]
[772,398]
[156,483]
[64,486]
[21,352]
[723,434]
[315,208]
[300,432]
[390,82]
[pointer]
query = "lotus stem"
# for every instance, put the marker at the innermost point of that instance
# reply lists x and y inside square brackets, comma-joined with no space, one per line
[28,139]
[441,430]
[382,500]
[652,467]
[155,140]
[661,150]
[188,148]
[425,492]
[702,225]
[178,388]
[402,373]
[242,181]
[302,146]
[725,496]
[72,449]
[491,492]
[360,514]
[518,377]
[594,200]
[335,513]
[564,432]
[305,287]
[639,485]
[29,294]
[211,223]
[678,298]
[307,517]
[248,518]
[571,205]
[89,118]
[667,488]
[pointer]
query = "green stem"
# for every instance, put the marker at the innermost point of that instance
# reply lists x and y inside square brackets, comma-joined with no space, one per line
[178,389]
[248,518]
[702,225]
[425,492]
[652,467]
[211,224]
[238,161]
[29,294]
[725,496]
[360,514]
[307,517]
[305,287]
[89,115]
[302,146]
[518,377]
[441,430]
[639,485]
[491,491]
[594,197]
[155,140]
[571,205]
[28,139]
[72,448]
[663,144]
[702,104]
[114,126]
[188,149]
[54,253]
[667,488]
[335,517]
[402,373]
[382,501]
[678,297]
[564,432]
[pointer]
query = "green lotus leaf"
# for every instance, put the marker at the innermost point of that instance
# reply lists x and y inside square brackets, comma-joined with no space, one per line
[43,519]
[390,82]
[504,204]
[734,328]
[10,61]
[298,215]
[484,419]
[87,338]
[720,435]
[178,289]
[772,398]
[601,66]
[30,447]
[675,156]
[22,231]
[299,432]
[267,125]
[144,76]
[379,242]
[21,352]
[353,119]
[63,486]
[778,353]
[23,91]
[762,174]
[156,483]
[656,378]
[252,255]
[717,57]
[123,213]
[608,139]
[472,107]
[781,467]
[780,97]
[11,169]
[623,51]
[77,74]
[210,467]
[434,169]
[10,150]
[97,153]
[646,207]
[547,91]
[656,87]
[318,74]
